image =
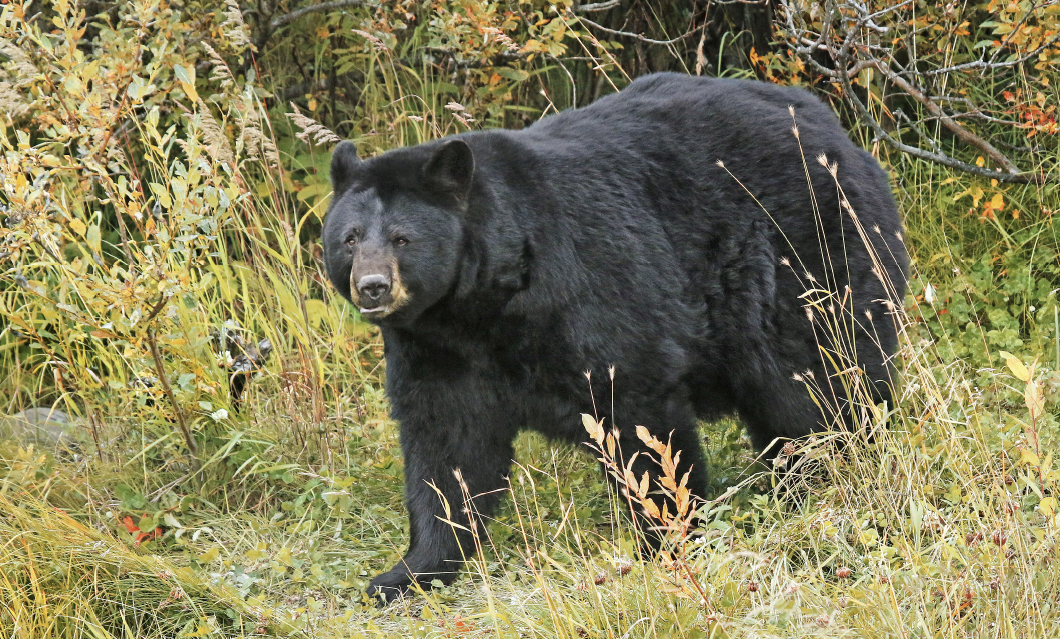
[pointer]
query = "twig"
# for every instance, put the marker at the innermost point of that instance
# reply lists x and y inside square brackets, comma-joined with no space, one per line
[596,6]
[962,133]
[156,495]
[93,416]
[162,299]
[981,63]
[939,158]
[637,35]
[287,18]
[160,369]
[847,66]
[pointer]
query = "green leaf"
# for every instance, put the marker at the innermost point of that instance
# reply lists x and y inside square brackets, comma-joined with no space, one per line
[516,75]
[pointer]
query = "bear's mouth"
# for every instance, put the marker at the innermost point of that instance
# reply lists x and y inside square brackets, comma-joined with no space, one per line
[375,312]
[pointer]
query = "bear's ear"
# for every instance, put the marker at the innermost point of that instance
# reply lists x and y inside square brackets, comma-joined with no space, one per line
[450,170]
[344,166]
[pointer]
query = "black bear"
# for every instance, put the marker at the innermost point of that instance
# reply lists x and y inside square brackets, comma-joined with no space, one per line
[670,230]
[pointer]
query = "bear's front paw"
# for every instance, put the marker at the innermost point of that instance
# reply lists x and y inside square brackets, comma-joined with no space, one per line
[390,586]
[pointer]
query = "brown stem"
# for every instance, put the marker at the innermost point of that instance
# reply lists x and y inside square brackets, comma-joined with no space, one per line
[121,229]
[93,418]
[690,577]
[160,369]
[156,308]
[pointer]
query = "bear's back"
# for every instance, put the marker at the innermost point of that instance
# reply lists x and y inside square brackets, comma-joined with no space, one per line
[717,109]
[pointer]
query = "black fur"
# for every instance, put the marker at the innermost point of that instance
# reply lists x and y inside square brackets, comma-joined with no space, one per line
[609,235]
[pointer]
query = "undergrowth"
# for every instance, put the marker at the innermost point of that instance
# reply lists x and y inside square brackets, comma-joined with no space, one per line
[157,196]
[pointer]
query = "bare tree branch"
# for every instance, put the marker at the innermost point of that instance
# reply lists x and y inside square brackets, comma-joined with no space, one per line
[983,64]
[962,133]
[637,35]
[276,23]
[596,6]
[867,118]
[859,49]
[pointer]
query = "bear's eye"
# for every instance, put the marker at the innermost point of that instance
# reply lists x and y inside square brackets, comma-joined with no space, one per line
[401,241]
[351,239]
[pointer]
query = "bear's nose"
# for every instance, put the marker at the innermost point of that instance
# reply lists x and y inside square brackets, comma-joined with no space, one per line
[373,287]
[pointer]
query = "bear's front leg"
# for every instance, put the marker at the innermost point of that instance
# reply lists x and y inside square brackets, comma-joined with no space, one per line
[446,425]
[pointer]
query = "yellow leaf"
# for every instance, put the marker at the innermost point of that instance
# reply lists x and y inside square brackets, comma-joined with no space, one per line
[77,226]
[1047,506]
[186,77]
[631,479]
[317,312]
[210,555]
[1028,456]
[190,91]
[1032,397]
[977,194]
[1016,366]
[594,428]
[682,500]
[312,104]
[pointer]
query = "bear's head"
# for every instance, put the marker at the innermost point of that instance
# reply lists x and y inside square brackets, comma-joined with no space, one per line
[394,231]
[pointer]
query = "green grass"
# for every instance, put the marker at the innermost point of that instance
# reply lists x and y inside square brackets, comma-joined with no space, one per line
[942,525]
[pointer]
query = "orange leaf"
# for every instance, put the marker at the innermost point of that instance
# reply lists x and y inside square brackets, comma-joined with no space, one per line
[157,532]
[460,625]
[129,525]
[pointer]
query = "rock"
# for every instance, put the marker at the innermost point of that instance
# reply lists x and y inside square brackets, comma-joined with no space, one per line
[47,428]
